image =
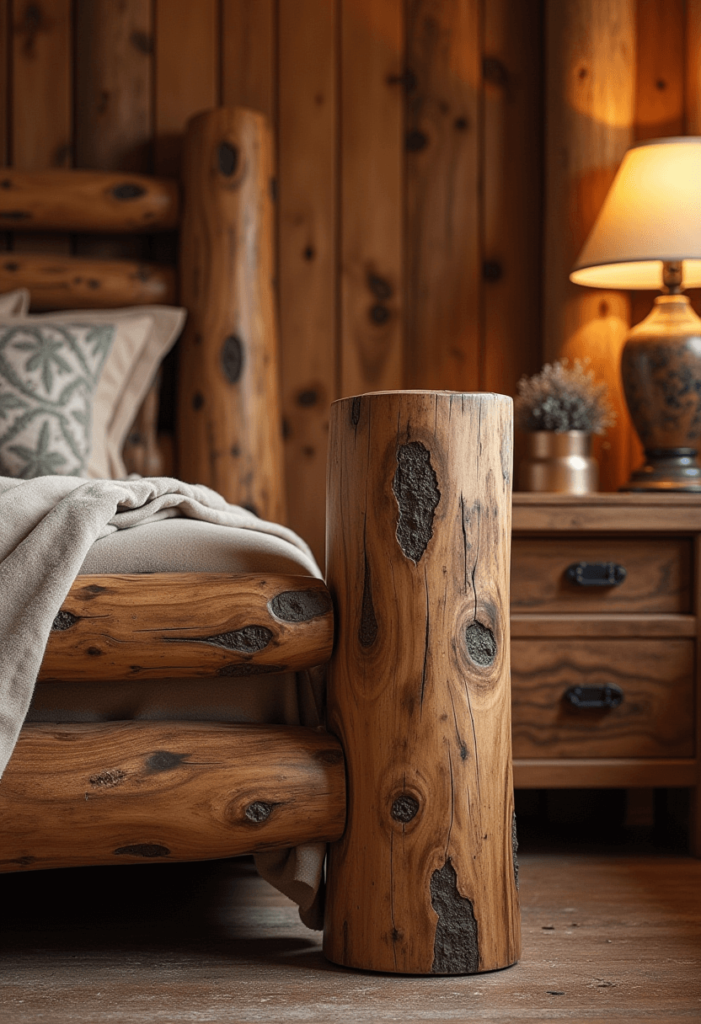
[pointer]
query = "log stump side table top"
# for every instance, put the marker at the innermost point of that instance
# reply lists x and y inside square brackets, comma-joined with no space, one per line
[605,625]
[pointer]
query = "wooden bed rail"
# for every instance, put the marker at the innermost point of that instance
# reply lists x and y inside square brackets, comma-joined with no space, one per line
[139,792]
[189,624]
[69,282]
[75,200]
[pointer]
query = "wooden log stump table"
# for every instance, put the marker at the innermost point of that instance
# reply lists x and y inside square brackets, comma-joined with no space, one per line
[424,880]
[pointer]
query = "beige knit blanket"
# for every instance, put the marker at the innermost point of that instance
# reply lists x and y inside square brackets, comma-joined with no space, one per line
[47,526]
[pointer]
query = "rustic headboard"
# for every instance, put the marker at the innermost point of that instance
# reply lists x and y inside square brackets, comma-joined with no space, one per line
[228,421]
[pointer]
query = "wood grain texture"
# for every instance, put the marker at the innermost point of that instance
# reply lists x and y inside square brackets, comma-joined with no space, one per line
[589,119]
[442,240]
[72,282]
[307,253]
[129,792]
[186,73]
[5,90]
[658,574]
[655,718]
[248,54]
[230,422]
[603,772]
[189,624]
[57,200]
[613,624]
[606,513]
[693,67]
[511,197]
[418,553]
[615,930]
[371,181]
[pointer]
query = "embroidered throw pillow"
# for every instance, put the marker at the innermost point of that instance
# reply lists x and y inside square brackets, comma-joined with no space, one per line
[141,338]
[48,375]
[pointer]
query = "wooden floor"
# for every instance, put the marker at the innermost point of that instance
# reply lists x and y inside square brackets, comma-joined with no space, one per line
[607,937]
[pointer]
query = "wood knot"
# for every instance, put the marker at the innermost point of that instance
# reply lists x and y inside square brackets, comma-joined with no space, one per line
[415,487]
[495,72]
[307,397]
[231,357]
[481,645]
[258,811]
[492,270]
[300,605]
[143,850]
[163,761]
[197,401]
[228,158]
[404,808]
[379,314]
[64,620]
[129,190]
[415,141]
[108,779]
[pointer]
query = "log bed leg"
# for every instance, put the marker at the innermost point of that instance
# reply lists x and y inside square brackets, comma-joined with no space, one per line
[424,880]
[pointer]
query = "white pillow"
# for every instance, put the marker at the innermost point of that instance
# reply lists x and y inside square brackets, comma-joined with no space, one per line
[140,338]
[15,303]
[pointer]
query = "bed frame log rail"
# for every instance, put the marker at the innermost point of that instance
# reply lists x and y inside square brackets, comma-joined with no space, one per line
[413,784]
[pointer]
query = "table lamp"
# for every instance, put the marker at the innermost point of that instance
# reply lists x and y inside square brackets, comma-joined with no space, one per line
[648,236]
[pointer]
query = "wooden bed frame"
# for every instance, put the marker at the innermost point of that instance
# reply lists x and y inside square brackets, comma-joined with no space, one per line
[412,785]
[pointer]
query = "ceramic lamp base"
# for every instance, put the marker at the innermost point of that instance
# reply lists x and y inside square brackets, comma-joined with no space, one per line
[667,469]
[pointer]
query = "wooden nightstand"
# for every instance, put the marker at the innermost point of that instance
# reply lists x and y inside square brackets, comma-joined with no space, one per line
[605,625]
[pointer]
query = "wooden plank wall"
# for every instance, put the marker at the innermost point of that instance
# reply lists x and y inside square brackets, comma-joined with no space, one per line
[426,217]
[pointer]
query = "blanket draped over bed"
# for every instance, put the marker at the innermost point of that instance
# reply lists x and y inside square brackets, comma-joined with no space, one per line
[47,527]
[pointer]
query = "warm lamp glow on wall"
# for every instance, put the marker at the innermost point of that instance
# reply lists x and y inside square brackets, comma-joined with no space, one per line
[648,236]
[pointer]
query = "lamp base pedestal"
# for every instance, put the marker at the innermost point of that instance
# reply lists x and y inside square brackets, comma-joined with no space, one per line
[667,469]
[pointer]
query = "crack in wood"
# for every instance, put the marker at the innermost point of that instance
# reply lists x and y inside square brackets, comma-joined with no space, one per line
[300,605]
[367,633]
[355,411]
[481,645]
[415,487]
[64,620]
[456,946]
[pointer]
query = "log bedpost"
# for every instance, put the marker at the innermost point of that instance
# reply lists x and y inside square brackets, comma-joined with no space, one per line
[230,419]
[424,880]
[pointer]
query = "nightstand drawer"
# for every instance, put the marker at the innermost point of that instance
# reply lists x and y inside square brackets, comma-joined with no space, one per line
[657,574]
[654,719]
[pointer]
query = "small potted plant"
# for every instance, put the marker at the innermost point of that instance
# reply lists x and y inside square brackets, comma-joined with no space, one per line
[559,409]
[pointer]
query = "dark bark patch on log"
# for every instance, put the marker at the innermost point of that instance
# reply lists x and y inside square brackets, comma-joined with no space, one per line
[481,645]
[108,779]
[142,850]
[367,634]
[232,358]
[228,157]
[234,671]
[404,808]
[300,605]
[164,761]
[128,191]
[355,411]
[258,811]
[514,846]
[415,487]
[248,640]
[455,947]
[63,621]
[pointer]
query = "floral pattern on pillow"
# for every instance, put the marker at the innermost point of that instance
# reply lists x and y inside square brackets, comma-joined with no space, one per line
[48,373]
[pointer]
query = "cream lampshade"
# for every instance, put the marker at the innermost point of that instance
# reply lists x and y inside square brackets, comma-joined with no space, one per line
[648,236]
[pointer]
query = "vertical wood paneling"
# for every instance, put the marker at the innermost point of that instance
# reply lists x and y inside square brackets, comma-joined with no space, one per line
[248,65]
[442,140]
[372,100]
[307,252]
[4,78]
[113,124]
[693,67]
[589,125]
[42,100]
[512,207]
[186,73]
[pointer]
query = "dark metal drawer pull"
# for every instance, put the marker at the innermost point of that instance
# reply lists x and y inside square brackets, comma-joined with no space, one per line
[596,574]
[594,696]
